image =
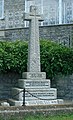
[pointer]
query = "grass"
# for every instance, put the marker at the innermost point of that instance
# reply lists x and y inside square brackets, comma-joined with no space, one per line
[58,117]
[41,117]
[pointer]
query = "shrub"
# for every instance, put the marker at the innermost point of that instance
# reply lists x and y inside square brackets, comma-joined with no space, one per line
[13,56]
[55,59]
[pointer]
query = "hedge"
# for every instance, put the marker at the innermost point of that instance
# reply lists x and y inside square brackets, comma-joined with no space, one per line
[13,56]
[55,59]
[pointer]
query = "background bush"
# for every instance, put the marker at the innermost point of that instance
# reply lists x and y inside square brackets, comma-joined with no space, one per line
[13,56]
[55,59]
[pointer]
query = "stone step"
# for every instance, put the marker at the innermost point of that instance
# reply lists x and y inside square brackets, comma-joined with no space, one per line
[31,94]
[13,102]
[34,75]
[17,94]
[43,102]
[26,83]
[41,94]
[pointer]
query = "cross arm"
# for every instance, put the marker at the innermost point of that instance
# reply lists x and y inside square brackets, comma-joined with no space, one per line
[41,18]
[26,17]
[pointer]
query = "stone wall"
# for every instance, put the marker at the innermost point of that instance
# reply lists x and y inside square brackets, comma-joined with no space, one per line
[12,26]
[64,85]
[7,82]
[62,34]
[13,12]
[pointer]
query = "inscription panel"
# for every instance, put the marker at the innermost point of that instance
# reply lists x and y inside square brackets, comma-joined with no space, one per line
[34,83]
[34,75]
[40,94]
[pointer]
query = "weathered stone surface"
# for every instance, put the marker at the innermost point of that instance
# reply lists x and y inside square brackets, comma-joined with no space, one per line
[2,33]
[13,18]
[61,34]
[5,104]
[34,75]
[43,102]
[44,94]
[13,12]
[33,46]
[13,102]
[30,84]
[17,94]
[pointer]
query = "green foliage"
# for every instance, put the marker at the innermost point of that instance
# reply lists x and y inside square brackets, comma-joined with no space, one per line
[55,59]
[13,56]
[61,116]
[50,117]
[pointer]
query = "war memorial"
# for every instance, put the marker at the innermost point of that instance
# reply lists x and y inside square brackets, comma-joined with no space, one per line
[34,92]
[34,88]
[55,25]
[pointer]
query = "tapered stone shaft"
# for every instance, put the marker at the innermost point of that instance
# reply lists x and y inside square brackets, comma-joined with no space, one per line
[33,46]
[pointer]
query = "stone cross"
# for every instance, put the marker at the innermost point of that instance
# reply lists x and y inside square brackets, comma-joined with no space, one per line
[33,46]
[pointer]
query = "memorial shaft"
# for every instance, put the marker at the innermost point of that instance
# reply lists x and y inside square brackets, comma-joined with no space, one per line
[33,45]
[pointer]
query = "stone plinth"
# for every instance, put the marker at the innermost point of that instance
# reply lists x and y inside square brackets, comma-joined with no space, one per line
[34,75]
[37,91]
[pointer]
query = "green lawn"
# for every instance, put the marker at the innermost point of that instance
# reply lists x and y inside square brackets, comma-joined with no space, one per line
[58,117]
[41,117]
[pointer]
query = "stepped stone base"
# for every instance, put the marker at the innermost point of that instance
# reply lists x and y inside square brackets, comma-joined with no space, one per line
[34,90]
